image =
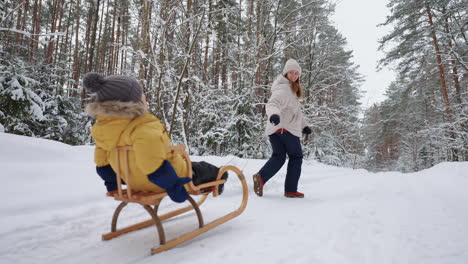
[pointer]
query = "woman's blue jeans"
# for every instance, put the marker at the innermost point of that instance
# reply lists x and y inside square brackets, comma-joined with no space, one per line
[284,143]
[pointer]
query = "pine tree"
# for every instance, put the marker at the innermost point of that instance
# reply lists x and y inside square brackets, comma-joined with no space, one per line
[20,106]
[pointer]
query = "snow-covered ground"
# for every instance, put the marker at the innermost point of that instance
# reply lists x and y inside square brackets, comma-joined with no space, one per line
[54,210]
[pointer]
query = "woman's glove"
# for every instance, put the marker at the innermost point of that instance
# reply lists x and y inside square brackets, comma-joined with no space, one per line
[274,119]
[306,130]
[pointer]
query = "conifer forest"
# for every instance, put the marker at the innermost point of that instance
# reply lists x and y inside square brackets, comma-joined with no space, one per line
[206,67]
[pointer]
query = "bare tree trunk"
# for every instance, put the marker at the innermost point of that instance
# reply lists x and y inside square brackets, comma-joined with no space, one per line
[250,11]
[93,17]
[107,44]
[216,59]
[169,19]
[448,110]
[23,23]
[33,31]
[19,19]
[92,44]
[89,27]
[259,44]
[207,43]
[311,52]
[145,24]
[269,47]
[115,55]
[235,73]
[185,85]
[125,25]
[217,49]
[59,48]
[224,63]
[452,59]
[98,67]
[51,39]
[76,60]
[36,21]
[260,47]
[110,63]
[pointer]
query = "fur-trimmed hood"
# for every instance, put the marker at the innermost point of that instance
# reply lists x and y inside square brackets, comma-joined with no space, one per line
[115,109]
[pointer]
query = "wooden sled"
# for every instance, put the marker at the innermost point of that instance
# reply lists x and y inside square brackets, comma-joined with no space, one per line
[151,200]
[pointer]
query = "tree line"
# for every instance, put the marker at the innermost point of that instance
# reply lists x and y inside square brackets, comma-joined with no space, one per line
[206,67]
[424,120]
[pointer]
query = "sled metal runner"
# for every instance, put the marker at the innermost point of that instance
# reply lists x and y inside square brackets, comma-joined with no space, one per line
[151,201]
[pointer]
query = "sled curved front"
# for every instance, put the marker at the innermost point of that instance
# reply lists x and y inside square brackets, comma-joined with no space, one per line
[190,235]
[150,202]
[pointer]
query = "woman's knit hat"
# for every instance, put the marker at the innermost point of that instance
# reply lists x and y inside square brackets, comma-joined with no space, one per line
[113,88]
[290,65]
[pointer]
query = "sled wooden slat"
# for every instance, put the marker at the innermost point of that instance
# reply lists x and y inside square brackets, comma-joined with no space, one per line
[151,201]
[141,197]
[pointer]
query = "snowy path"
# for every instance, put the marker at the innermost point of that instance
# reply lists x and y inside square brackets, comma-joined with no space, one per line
[56,212]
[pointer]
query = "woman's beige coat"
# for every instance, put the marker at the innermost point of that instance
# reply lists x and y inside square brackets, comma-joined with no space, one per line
[284,103]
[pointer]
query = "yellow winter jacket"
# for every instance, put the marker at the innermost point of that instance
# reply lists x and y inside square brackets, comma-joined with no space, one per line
[129,124]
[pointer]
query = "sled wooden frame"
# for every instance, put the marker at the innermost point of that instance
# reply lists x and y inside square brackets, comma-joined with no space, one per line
[151,200]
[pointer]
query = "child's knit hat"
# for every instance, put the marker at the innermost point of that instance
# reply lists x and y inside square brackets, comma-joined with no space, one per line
[113,88]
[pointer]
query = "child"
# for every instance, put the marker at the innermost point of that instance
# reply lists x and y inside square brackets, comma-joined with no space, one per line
[122,119]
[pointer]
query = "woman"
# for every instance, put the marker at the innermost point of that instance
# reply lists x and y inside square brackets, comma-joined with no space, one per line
[284,130]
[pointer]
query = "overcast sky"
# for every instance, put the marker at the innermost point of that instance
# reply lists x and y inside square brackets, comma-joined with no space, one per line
[357,20]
